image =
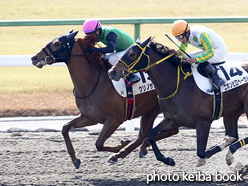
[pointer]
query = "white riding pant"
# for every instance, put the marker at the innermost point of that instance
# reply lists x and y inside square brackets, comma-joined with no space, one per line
[219,54]
[114,57]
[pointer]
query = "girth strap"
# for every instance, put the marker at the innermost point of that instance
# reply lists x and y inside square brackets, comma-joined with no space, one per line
[218,104]
[130,102]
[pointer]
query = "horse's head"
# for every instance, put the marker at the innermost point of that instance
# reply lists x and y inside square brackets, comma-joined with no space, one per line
[58,50]
[136,57]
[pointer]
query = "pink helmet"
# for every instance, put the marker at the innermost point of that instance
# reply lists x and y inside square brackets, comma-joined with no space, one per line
[91,25]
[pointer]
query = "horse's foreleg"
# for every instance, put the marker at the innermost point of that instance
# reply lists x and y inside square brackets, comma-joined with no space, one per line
[146,124]
[161,135]
[162,126]
[233,148]
[75,123]
[202,131]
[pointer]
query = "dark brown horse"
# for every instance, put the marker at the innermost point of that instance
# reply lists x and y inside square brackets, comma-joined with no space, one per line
[188,105]
[96,98]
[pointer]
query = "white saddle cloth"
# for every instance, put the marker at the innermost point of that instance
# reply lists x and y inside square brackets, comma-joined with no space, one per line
[138,88]
[233,75]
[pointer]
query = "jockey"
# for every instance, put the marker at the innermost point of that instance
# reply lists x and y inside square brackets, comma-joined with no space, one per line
[212,48]
[116,41]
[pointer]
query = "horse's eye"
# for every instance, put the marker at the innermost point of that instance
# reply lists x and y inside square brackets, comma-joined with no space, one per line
[131,54]
[56,44]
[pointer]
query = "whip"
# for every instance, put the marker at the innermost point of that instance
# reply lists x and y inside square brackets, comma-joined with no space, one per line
[177,45]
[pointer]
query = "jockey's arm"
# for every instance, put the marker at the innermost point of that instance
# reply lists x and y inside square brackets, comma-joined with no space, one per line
[183,47]
[110,48]
[208,46]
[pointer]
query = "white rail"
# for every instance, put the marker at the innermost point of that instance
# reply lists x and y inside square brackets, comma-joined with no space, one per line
[25,60]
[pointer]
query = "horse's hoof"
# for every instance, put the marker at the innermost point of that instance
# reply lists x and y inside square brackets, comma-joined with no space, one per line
[229,158]
[171,162]
[125,141]
[77,163]
[200,162]
[112,159]
[168,161]
[143,153]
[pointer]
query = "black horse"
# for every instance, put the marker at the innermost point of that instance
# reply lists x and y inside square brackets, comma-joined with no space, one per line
[188,105]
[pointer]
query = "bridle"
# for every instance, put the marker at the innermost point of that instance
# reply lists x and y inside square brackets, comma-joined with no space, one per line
[53,54]
[144,52]
[66,46]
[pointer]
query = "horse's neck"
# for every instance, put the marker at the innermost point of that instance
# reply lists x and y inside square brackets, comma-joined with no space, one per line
[83,74]
[163,75]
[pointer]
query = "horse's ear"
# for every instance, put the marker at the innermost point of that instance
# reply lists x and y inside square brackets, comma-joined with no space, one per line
[145,42]
[138,40]
[70,31]
[72,35]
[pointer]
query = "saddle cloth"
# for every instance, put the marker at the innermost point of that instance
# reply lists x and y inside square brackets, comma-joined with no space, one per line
[233,75]
[144,85]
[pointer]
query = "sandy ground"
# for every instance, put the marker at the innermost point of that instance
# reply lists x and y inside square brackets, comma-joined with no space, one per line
[40,158]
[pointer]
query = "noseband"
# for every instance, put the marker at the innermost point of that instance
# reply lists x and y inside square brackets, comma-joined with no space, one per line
[143,51]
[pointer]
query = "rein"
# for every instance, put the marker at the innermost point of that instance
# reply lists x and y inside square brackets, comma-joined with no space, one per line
[78,97]
[143,50]
[178,79]
[129,70]
[68,46]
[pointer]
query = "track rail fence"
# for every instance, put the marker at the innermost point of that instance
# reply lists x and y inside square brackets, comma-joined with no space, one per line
[135,21]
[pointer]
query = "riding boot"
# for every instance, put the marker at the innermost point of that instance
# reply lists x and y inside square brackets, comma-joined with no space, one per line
[217,81]
[132,78]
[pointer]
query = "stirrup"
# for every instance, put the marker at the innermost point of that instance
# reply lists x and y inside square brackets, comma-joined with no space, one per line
[214,86]
[133,78]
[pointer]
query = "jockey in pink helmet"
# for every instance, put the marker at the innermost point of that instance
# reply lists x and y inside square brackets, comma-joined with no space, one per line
[116,41]
[91,25]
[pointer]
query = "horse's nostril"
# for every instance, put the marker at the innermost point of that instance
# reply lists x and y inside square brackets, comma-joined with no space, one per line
[112,72]
[34,58]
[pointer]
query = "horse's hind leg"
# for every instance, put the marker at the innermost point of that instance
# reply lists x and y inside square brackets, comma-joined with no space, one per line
[108,129]
[146,124]
[235,146]
[77,122]
[161,135]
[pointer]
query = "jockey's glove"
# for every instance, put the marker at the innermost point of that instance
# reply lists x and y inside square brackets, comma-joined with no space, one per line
[91,49]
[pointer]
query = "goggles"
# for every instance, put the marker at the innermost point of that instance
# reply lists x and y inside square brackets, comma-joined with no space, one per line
[89,34]
[180,37]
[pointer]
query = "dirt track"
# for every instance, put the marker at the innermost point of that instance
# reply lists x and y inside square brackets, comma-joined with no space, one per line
[41,159]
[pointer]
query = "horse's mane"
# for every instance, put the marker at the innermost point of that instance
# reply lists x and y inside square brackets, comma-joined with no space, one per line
[165,51]
[93,58]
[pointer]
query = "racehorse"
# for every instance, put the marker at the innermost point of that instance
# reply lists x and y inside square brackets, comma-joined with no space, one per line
[95,95]
[181,101]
